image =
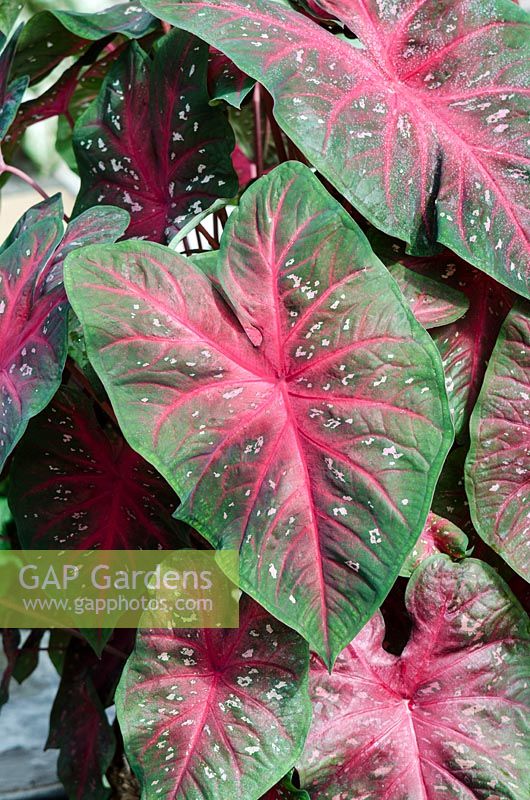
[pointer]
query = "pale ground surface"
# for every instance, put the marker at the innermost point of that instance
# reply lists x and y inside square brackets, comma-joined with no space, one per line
[24,728]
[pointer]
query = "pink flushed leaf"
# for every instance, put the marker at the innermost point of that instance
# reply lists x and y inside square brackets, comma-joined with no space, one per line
[439,535]
[448,718]
[432,300]
[467,343]
[497,467]
[312,445]
[215,714]
[77,485]
[33,309]
[426,139]
[151,143]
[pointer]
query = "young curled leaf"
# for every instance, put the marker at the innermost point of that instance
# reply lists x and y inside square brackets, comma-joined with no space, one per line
[447,718]
[309,432]
[209,714]
[438,536]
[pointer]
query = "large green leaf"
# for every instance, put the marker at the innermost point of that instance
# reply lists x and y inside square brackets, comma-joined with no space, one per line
[312,444]
[498,467]
[213,714]
[423,127]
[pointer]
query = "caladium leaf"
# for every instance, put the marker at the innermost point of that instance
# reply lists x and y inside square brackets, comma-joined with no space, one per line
[157,148]
[315,451]
[10,645]
[79,727]
[411,127]
[215,714]
[497,467]
[439,535]
[10,92]
[9,11]
[226,81]
[77,485]
[433,302]
[465,345]
[50,36]
[33,308]
[447,718]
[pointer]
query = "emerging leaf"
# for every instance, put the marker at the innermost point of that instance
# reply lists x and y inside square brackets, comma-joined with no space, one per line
[315,451]
[215,713]
[448,718]
[438,536]
[151,143]
[33,308]
[77,485]
[285,791]
[424,138]
[497,468]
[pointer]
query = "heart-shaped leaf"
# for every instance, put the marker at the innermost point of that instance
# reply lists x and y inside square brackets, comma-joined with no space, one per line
[80,730]
[467,343]
[77,485]
[448,718]
[439,535]
[424,138]
[315,451]
[151,143]
[215,714]
[33,308]
[497,467]
[79,727]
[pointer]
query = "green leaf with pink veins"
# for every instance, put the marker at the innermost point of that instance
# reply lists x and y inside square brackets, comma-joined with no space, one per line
[304,424]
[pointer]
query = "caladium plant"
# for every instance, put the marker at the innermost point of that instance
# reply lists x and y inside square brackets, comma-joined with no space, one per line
[288,318]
